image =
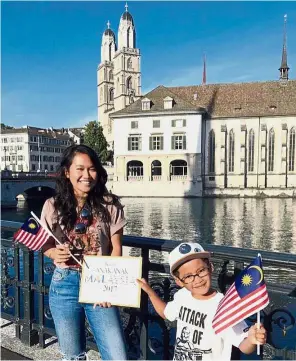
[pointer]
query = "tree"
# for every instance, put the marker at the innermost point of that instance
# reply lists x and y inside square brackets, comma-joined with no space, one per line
[94,138]
[4,126]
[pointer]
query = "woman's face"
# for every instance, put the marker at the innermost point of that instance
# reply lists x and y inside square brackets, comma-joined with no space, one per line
[82,174]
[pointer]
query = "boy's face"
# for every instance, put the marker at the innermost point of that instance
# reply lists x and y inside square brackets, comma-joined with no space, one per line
[199,286]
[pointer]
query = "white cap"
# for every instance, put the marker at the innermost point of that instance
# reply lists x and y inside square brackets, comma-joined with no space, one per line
[186,252]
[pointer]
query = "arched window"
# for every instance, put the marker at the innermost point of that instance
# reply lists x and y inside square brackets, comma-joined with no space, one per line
[292,150]
[155,169]
[110,75]
[211,151]
[110,51]
[128,37]
[129,83]
[178,167]
[134,169]
[129,63]
[231,152]
[111,95]
[271,150]
[251,151]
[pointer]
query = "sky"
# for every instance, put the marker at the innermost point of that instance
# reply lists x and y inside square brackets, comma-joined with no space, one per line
[50,50]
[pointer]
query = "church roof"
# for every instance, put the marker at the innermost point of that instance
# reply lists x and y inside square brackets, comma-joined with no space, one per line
[156,97]
[234,100]
[127,16]
[109,32]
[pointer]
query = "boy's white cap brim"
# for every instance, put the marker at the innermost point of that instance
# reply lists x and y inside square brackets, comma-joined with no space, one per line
[178,256]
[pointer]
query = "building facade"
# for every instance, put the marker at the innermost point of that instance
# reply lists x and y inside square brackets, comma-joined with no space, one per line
[220,139]
[31,149]
[119,73]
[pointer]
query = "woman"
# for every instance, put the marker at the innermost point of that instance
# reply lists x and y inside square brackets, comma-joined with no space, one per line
[88,221]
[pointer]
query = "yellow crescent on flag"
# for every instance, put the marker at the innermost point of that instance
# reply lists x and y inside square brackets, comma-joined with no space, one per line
[260,271]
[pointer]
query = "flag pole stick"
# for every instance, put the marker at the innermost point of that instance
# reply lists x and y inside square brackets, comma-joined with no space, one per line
[51,234]
[258,327]
[258,320]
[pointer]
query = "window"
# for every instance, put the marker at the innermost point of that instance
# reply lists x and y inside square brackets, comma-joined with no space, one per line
[134,124]
[129,63]
[45,167]
[4,140]
[19,139]
[178,168]
[211,152]
[33,167]
[51,168]
[155,168]
[111,95]
[129,83]
[134,169]
[231,152]
[134,142]
[110,75]
[179,142]
[292,150]
[20,167]
[156,142]
[156,123]
[178,123]
[20,157]
[251,151]
[271,150]
[146,104]
[168,103]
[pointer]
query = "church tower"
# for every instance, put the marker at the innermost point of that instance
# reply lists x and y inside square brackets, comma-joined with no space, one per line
[119,74]
[284,69]
[127,72]
[105,79]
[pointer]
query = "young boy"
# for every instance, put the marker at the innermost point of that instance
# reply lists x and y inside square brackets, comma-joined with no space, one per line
[194,307]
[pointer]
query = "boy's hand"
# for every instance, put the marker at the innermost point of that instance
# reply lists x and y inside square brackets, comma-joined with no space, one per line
[145,286]
[257,336]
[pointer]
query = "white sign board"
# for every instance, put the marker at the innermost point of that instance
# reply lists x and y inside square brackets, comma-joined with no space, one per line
[111,279]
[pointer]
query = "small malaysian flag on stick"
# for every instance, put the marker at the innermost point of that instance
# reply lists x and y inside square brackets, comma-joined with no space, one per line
[246,296]
[32,235]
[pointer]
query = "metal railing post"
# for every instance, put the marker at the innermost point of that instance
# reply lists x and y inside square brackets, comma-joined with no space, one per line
[144,306]
[28,335]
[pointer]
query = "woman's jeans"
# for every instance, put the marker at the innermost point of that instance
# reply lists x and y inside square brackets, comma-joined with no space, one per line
[69,319]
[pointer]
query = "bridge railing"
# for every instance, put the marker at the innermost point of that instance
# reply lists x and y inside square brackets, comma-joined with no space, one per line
[26,277]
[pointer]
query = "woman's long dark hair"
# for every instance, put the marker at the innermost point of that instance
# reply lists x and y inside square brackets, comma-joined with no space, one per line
[65,202]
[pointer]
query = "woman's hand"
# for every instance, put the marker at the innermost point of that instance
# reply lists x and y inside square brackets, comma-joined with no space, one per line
[103,304]
[60,255]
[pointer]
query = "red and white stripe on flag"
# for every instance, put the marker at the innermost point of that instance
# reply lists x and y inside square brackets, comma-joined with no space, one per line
[232,309]
[32,241]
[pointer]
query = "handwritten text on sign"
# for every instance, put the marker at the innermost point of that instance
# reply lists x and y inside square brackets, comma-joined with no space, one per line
[111,279]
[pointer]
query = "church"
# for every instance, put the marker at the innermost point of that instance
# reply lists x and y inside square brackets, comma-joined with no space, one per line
[233,139]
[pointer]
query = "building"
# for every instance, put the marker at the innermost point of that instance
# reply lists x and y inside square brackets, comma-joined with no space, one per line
[118,74]
[216,139]
[31,149]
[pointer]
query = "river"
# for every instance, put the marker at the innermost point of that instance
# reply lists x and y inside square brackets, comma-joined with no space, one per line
[266,224]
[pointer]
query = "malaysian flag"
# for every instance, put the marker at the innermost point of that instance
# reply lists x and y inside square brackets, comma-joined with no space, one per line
[32,235]
[246,296]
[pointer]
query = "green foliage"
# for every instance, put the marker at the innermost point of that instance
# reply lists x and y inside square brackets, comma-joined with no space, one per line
[4,126]
[94,138]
